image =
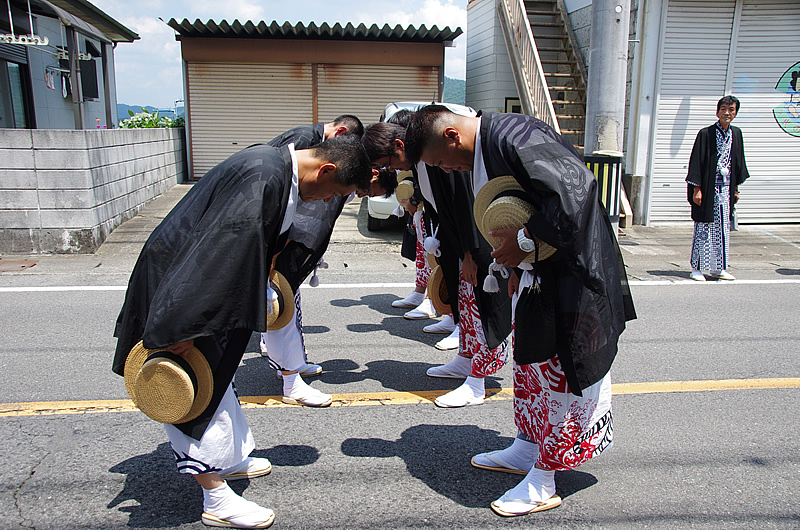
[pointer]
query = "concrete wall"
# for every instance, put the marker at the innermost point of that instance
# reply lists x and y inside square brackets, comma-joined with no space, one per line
[63,191]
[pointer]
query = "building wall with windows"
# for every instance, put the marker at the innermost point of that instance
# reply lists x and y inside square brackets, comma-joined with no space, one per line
[37,89]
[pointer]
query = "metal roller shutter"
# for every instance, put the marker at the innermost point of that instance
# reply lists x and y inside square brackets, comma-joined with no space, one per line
[365,90]
[695,53]
[768,45]
[232,106]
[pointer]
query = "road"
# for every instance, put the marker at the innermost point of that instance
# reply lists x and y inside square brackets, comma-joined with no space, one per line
[721,452]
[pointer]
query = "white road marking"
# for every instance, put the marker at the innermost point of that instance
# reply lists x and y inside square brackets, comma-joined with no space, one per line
[644,283]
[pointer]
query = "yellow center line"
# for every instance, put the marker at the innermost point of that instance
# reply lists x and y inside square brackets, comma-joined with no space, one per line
[49,408]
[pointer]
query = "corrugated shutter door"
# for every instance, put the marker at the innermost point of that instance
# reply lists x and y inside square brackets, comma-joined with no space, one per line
[232,106]
[768,45]
[365,90]
[694,66]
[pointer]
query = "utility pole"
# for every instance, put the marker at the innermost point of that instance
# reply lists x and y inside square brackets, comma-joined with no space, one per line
[605,94]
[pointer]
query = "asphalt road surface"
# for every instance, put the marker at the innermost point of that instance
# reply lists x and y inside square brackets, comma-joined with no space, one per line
[705,407]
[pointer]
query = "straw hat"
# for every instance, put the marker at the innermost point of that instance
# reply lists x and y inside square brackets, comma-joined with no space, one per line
[437,292]
[403,175]
[498,213]
[404,190]
[282,308]
[487,194]
[433,261]
[167,387]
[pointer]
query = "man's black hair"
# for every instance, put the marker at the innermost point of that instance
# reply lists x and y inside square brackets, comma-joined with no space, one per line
[402,117]
[347,153]
[422,131]
[387,179]
[729,100]
[379,139]
[353,124]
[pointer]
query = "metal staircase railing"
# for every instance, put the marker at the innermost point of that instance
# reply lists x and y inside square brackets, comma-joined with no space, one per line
[525,62]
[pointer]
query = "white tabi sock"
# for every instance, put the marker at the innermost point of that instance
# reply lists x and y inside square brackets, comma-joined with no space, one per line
[223,503]
[537,486]
[521,454]
[293,383]
[477,385]
[461,365]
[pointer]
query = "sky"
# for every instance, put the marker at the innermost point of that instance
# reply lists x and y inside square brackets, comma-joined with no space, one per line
[148,71]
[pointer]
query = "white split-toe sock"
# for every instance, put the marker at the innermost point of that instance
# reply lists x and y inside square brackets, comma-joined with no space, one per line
[222,507]
[297,392]
[472,392]
[252,467]
[536,492]
[518,457]
[411,301]
[451,341]
[458,368]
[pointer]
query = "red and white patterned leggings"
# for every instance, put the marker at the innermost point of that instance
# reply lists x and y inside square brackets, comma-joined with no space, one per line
[568,429]
[421,262]
[472,341]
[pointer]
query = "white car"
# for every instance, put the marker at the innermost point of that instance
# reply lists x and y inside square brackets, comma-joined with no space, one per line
[380,209]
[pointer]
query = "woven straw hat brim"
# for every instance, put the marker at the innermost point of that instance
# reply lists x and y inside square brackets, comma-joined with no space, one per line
[278,319]
[404,190]
[511,212]
[403,175]
[166,403]
[437,292]
[487,194]
[433,261]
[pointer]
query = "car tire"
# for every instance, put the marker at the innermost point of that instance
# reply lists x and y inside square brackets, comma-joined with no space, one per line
[374,224]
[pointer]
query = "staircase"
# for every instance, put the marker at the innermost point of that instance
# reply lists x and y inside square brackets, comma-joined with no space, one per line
[546,53]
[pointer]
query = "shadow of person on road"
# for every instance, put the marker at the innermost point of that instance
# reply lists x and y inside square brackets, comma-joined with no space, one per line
[382,303]
[155,495]
[400,327]
[400,376]
[444,466]
[788,272]
[680,274]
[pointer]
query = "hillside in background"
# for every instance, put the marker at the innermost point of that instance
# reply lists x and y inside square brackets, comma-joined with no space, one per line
[122,109]
[454,90]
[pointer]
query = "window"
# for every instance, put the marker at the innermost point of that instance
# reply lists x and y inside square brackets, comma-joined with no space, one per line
[12,96]
[89,73]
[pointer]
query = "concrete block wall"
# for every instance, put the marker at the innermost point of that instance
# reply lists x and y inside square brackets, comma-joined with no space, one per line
[63,191]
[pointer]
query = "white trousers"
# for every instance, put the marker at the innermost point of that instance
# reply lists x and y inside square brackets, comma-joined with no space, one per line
[224,446]
[285,346]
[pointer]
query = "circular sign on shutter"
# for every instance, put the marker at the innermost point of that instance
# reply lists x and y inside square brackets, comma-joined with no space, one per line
[787,114]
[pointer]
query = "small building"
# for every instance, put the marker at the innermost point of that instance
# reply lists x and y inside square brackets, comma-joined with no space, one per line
[67,176]
[247,83]
[57,65]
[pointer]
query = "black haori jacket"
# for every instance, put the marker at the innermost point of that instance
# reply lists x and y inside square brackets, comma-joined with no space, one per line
[703,170]
[203,271]
[458,235]
[313,222]
[592,297]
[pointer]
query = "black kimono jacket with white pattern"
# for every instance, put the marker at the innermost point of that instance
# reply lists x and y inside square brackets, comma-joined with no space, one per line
[592,298]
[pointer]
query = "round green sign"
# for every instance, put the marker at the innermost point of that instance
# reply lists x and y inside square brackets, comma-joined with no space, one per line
[787,114]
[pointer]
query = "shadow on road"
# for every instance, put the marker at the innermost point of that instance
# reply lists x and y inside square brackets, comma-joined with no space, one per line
[683,275]
[154,495]
[432,456]
[382,303]
[256,378]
